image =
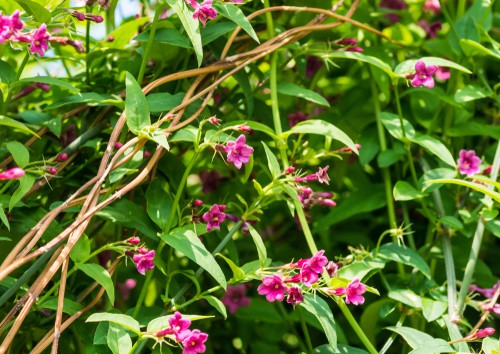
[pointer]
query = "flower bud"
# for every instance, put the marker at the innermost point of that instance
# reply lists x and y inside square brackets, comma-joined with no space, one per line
[485,332]
[196,203]
[244,128]
[146,154]
[134,240]
[94,18]
[62,157]
[52,171]
[289,170]
[214,120]
[118,145]
[13,173]
[78,15]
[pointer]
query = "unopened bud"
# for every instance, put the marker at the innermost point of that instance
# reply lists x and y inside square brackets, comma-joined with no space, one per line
[52,171]
[94,18]
[134,240]
[62,157]
[289,170]
[222,207]
[146,154]
[78,15]
[485,332]
[111,39]
[118,145]
[348,41]
[244,128]
[214,120]
[196,203]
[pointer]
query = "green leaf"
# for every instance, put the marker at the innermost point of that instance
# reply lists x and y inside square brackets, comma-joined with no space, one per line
[452,222]
[191,25]
[254,126]
[473,48]
[261,249]
[51,81]
[405,191]
[437,173]
[215,30]
[435,345]
[125,321]
[100,275]
[471,93]
[4,218]
[17,125]
[476,186]
[81,251]
[159,203]
[234,13]
[164,101]
[290,89]
[389,157]
[341,349]
[118,340]
[316,126]
[40,13]
[216,304]
[170,36]
[364,58]
[19,152]
[404,255]
[435,147]
[432,310]
[490,345]
[136,106]
[272,161]
[392,123]
[26,182]
[188,133]
[407,297]
[361,269]
[159,137]
[89,98]
[320,309]
[238,273]
[413,337]
[7,73]
[408,66]
[187,242]
[69,306]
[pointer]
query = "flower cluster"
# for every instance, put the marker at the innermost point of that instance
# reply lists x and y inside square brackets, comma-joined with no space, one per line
[293,279]
[10,30]
[235,297]
[192,341]
[468,162]
[143,259]
[310,198]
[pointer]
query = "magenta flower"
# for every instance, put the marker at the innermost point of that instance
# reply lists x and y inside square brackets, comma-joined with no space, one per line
[294,295]
[423,75]
[125,288]
[308,276]
[238,152]
[485,292]
[272,286]
[468,162]
[13,173]
[194,342]
[180,326]
[332,268]
[297,117]
[144,260]
[442,73]
[9,26]
[431,29]
[323,176]
[432,6]
[394,4]
[485,332]
[134,240]
[317,262]
[204,11]
[39,40]
[353,292]
[235,298]
[214,217]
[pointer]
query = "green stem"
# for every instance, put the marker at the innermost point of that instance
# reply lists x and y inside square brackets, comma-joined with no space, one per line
[355,326]
[162,244]
[136,345]
[476,242]
[18,76]
[303,325]
[393,336]
[87,51]
[273,85]
[398,106]
[149,45]
[461,8]
[305,228]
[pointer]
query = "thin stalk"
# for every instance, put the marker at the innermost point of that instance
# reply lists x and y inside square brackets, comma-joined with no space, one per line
[461,8]
[273,85]
[398,106]
[162,244]
[476,242]
[87,51]
[303,325]
[355,326]
[18,76]
[149,45]
[393,336]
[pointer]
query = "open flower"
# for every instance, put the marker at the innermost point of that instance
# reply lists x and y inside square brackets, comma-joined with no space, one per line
[295,295]
[194,342]
[179,326]
[214,217]
[423,75]
[468,162]
[238,152]
[39,40]
[144,260]
[272,286]
[204,11]
[9,26]
[13,173]
[353,292]
[235,297]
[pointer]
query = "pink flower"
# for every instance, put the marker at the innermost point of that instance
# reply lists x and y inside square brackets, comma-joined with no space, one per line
[13,173]
[432,6]
[486,292]
[62,157]
[52,170]
[9,26]
[485,332]
[272,286]
[308,276]
[238,152]
[194,342]
[180,326]
[423,75]
[204,11]
[317,262]
[214,217]
[332,269]
[144,260]
[394,4]
[353,292]
[442,73]
[39,40]
[235,297]
[297,117]
[125,288]
[294,295]
[430,29]
[468,162]
[134,240]
[323,176]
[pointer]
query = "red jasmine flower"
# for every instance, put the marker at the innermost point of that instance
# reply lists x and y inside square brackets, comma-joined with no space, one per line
[9,26]
[423,75]
[317,262]
[332,269]
[323,176]
[485,332]
[468,162]
[204,11]
[308,276]
[134,240]
[39,40]
[179,326]
[486,292]
[353,292]
[235,297]
[294,295]
[214,217]
[238,152]
[62,157]
[194,342]
[442,73]
[13,173]
[272,286]
[144,260]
